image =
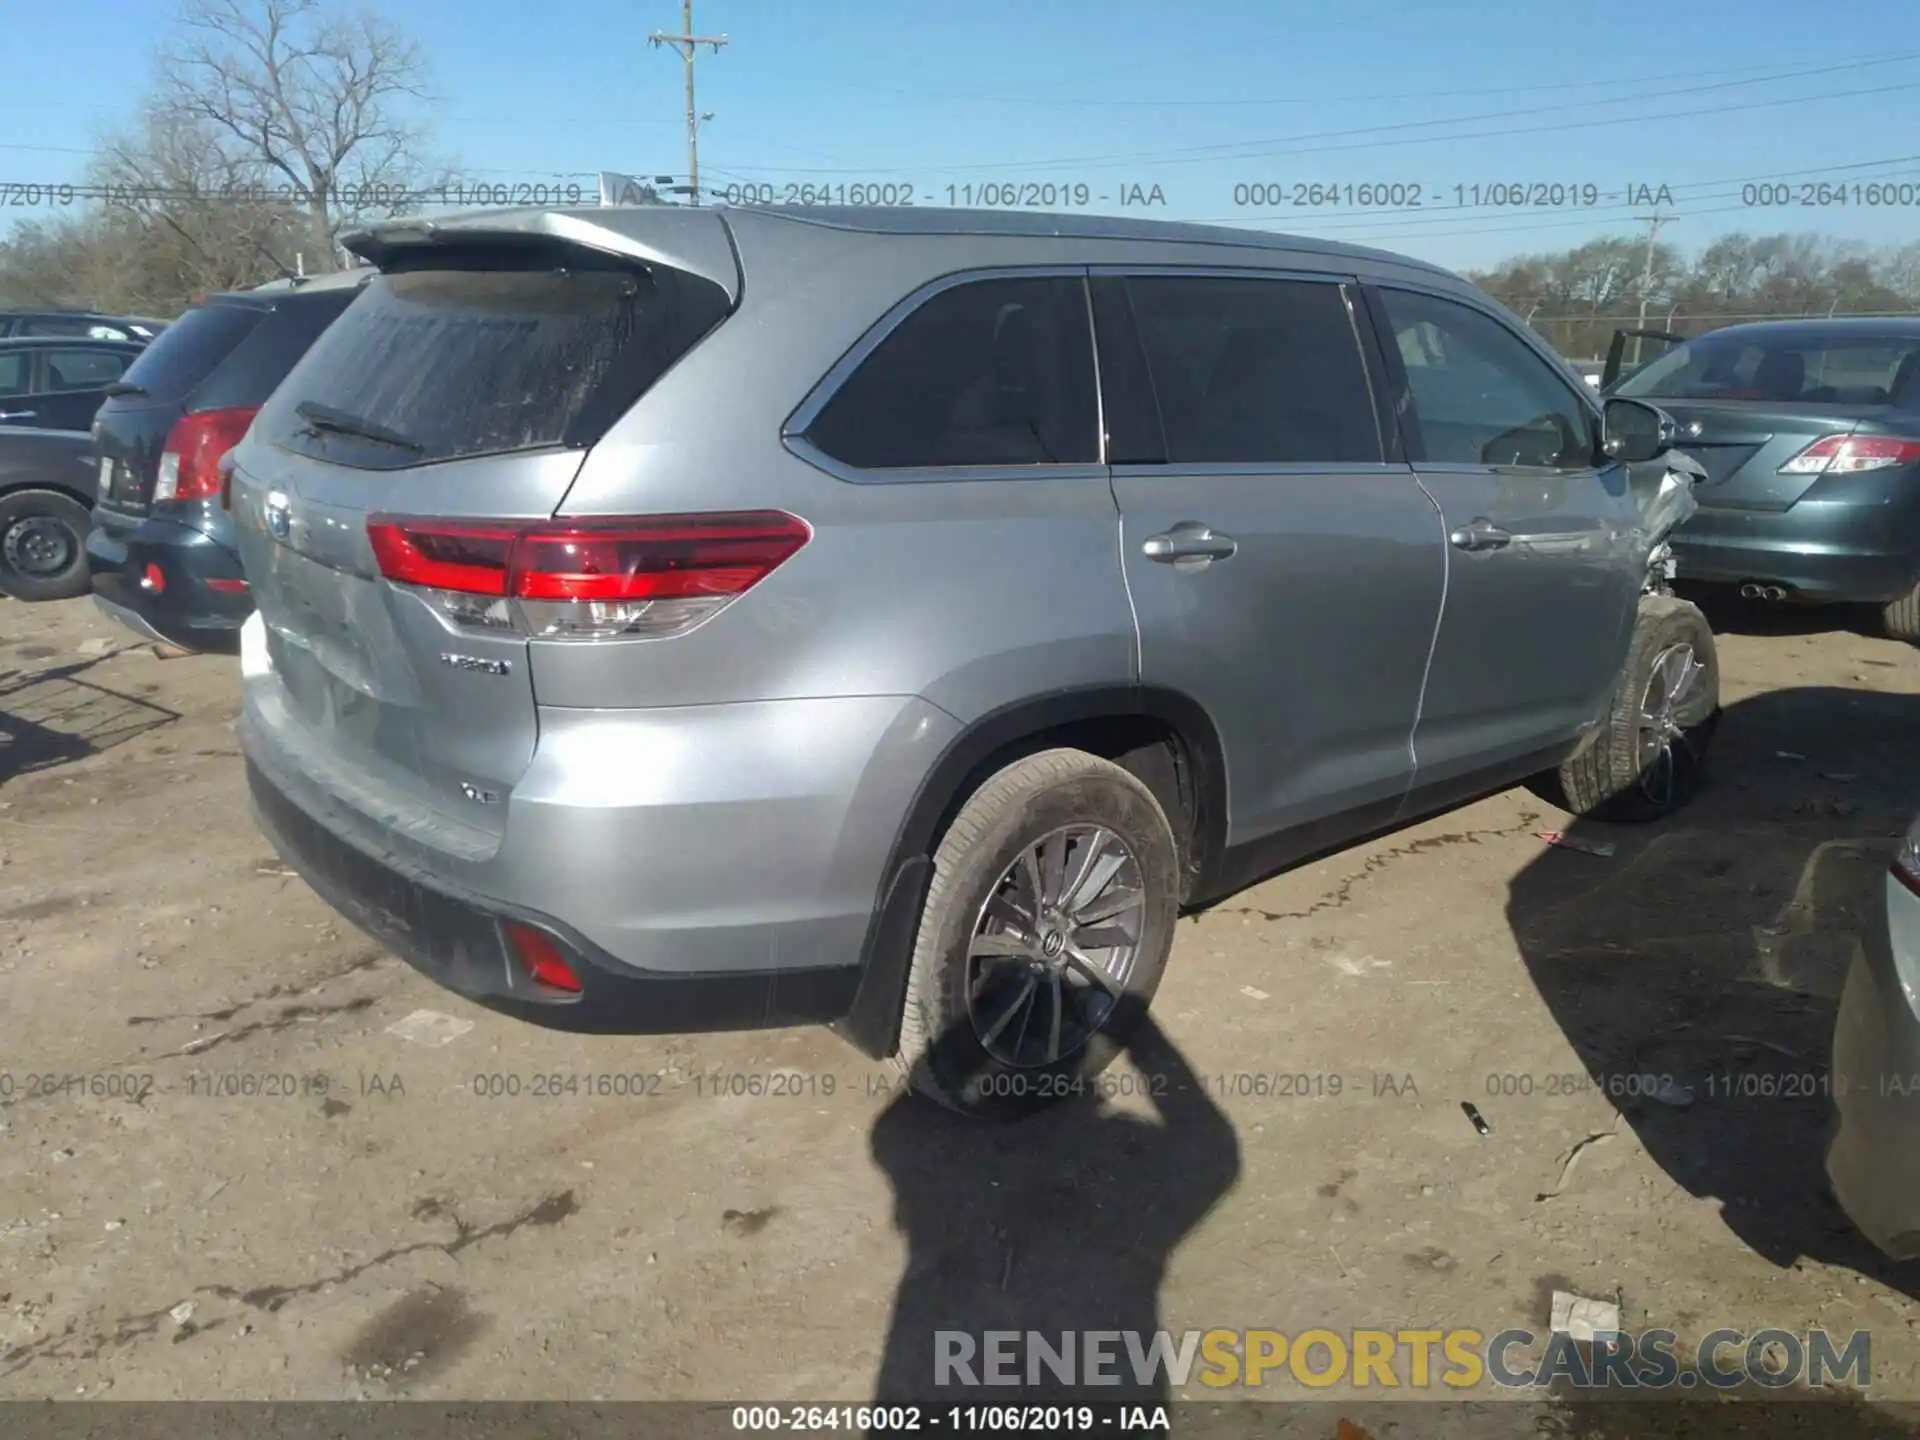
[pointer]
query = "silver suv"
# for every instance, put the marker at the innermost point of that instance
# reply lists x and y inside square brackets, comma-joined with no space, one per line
[679,618]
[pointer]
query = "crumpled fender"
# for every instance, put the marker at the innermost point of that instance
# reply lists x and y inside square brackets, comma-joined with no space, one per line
[1666,508]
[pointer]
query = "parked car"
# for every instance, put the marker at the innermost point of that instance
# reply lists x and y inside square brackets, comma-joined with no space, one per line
[58,384]
[687,618]
[84,324]
[46,487]
[162,547]
[1810,433]
[1875,1073]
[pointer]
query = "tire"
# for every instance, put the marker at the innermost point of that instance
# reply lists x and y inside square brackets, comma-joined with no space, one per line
[988,1057]
[1901,618]
[43,546]
[1610,777]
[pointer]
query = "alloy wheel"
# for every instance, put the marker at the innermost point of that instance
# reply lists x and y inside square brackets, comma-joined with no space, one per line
[1054,945]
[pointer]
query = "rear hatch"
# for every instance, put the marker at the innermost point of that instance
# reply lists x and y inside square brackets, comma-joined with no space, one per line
[1765,408]
[452,406]
[131,428]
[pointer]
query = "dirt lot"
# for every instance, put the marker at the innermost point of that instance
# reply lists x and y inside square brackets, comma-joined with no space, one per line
[310,1203]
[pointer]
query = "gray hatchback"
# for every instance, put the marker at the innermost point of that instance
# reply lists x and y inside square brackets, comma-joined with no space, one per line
[677,618]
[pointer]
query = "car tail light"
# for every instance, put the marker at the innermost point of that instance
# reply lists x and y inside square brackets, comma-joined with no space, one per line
[542,958]
[1846,454]
[585,579]
[190,461]
[1906,863]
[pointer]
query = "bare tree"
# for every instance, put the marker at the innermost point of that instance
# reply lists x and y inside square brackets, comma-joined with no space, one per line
[318,99]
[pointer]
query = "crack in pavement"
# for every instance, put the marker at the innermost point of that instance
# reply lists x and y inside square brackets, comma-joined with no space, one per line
[366,960]
[1337,897]
[144,1325]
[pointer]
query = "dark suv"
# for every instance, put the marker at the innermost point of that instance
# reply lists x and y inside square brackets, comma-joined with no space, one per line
[161,549]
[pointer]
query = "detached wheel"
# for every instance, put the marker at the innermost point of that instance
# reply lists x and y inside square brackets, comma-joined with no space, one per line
[1648,757]
[1044,935]
[1901,619]
[43,546]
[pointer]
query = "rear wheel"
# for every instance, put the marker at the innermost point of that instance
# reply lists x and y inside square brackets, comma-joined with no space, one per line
[43,546]
[1901,618]
[1043,937]
[1647,758]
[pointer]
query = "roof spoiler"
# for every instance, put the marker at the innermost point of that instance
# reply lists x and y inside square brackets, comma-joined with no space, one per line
[682,237]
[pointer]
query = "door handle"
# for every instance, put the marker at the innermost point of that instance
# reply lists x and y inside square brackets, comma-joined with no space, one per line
[1481,535]
[1189,541]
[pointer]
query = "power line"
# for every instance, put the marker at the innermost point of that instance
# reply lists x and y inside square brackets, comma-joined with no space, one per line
[1257,149]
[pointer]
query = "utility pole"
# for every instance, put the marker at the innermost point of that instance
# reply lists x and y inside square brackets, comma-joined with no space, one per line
[1653,223]
[686,42]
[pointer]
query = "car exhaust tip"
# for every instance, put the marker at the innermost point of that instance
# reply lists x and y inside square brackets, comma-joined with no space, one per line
[1749,592]
[1753,590]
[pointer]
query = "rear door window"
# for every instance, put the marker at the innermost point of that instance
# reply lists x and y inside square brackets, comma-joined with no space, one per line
[1255,371]
[986,372]
[185,353]
[485,352]
[82,369]
[16,372]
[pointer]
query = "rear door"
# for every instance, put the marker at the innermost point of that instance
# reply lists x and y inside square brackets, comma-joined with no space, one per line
[73,384]
[1750,401]
[1286,569]
[1543,574]
[462,387]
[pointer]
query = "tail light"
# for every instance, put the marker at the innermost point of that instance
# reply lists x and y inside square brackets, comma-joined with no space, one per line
[190,461]
[1847,454]
[585,579]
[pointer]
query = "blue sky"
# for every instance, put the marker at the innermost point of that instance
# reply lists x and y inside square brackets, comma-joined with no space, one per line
[1196,99]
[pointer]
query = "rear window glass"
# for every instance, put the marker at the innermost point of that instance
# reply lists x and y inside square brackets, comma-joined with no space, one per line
[1785,369]
[256,367]
[488,353]
[185,353]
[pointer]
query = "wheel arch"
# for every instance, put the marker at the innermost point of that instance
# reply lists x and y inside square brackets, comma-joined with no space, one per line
[1162,736]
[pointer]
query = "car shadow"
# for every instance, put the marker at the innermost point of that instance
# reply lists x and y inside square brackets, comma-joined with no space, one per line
[1729,614]
[1712,949]
[1063,1222]
[53,717]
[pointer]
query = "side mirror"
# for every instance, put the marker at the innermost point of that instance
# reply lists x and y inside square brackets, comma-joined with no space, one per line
[1631,431]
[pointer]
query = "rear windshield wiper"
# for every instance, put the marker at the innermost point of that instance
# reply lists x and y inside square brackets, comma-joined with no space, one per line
[339,422]
[120,387]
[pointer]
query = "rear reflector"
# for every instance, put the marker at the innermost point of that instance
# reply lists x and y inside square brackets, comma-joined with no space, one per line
[542,958]
[153,580]
[651,577]
[190,463]
[1847,454]
[228,587]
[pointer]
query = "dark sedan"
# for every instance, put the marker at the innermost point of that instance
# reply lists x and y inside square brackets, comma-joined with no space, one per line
[1810,435]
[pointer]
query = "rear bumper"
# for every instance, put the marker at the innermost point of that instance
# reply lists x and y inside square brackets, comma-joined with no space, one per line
[1863,548]
[185,610]
[456,939]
